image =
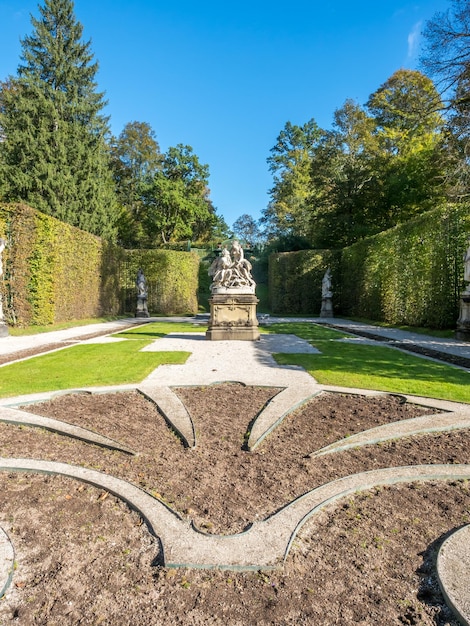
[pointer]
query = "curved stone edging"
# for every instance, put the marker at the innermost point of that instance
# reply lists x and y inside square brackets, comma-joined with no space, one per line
[453,573]
[173,410]
[440,422]
[281,405]
[7,562]
[20,417]
[265,544]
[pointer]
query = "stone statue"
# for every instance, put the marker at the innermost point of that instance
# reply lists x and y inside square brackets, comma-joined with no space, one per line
[3,326]
[231,270]
[236,252]
[233,300]
[326,291]
[220,268]
[463,323]
[3,244]
[141,286]
[466,264]
[326,295]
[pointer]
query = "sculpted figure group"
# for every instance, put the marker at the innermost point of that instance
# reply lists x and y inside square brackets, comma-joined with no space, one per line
[231,269]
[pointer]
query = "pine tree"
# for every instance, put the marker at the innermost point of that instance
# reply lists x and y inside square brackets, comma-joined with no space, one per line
[54,154]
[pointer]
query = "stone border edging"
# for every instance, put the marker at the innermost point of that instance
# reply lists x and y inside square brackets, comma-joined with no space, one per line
[397,430]
[264,545]
[280,406]
[453,572]
[173,410]
[7,562]
[20,417]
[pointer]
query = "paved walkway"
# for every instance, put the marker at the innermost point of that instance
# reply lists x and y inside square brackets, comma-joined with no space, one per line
[446,346]
[9,345]
[266,544]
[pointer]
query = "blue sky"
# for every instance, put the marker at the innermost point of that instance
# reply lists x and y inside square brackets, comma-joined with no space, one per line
[224,76]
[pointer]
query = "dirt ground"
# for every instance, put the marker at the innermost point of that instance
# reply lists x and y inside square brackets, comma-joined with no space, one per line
[84,558]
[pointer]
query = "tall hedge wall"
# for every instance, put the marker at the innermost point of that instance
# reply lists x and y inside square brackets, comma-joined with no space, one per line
[54,272]
[295,280]
[411,274]
[172,279]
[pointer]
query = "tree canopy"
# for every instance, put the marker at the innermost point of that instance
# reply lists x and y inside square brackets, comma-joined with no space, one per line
[54,155]
[378,166]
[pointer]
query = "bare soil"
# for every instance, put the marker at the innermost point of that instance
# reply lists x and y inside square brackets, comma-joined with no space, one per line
[84,558]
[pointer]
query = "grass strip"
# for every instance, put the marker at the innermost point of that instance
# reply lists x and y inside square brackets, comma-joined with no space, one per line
[85,365]
[156,330]
[374,367]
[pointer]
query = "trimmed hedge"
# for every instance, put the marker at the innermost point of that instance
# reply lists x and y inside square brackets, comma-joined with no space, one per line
[411,274]
[55,272]
[295,280]
[172,280]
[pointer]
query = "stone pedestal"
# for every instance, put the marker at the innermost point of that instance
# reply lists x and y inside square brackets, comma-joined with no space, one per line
[3,329]
[326,307]
[141,310]
[463,323]
[233,316]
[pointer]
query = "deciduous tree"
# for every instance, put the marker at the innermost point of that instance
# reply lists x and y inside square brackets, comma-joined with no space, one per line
[288,212]
[177,199]
[135,158]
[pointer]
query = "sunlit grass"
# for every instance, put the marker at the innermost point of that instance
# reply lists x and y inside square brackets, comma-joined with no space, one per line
[374,367]
[339,363]
[307,330]
[85,365]
[155,330]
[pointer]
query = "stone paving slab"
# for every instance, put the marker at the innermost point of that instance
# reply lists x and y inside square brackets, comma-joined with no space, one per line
[247,362]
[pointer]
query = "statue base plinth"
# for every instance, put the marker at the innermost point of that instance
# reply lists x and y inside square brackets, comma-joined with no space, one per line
[463,323]
[142,310]
[3,329]
[233,316]
[326,307]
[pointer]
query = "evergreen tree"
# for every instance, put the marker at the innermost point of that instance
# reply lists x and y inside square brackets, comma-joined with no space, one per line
[54,155]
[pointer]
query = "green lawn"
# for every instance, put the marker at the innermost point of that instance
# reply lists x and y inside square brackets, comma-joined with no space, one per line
[156,330]
[373,367]
[339,363]
[85,365]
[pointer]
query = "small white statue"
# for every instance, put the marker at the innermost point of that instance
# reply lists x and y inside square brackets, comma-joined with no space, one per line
[141,286]
[3,244]
[466,264]
[326,291]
